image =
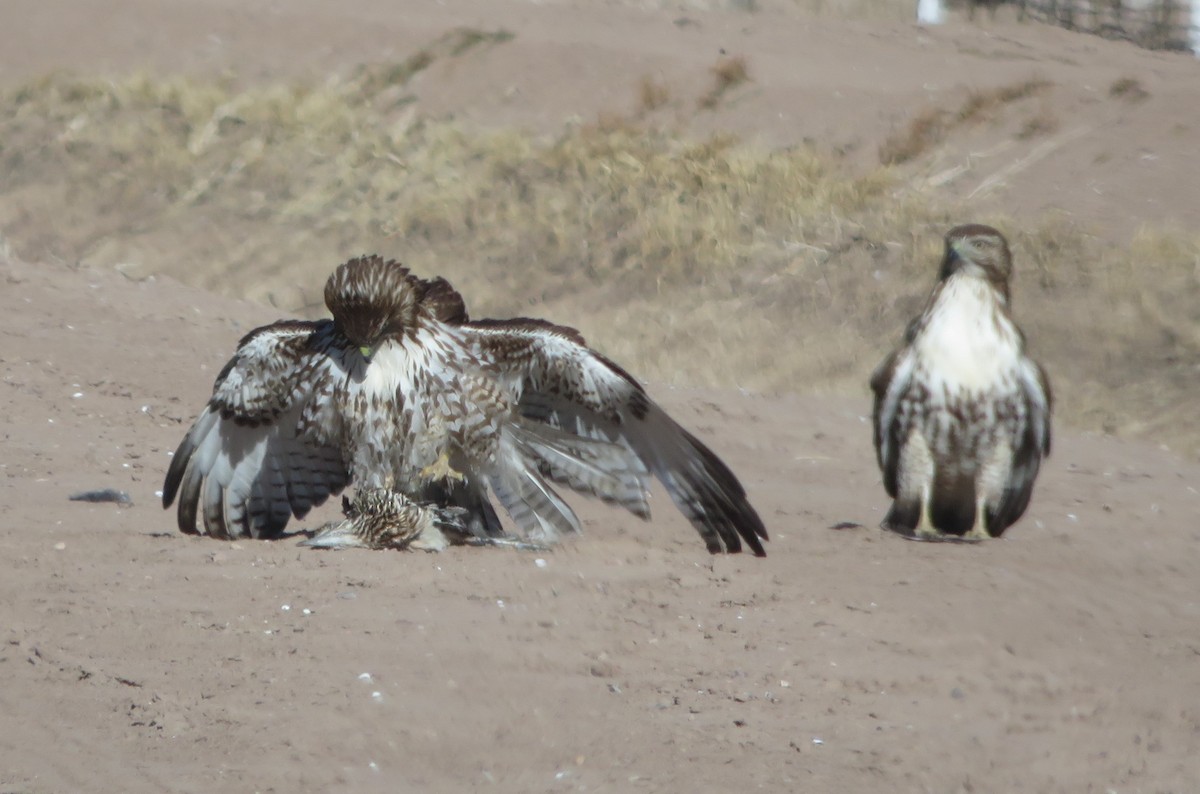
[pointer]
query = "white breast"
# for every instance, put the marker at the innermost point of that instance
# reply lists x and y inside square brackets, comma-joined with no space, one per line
[969,343]
[396,411]
[392,369]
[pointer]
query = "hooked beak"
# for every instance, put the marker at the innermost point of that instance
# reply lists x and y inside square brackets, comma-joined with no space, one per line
[955,253]
[367,352]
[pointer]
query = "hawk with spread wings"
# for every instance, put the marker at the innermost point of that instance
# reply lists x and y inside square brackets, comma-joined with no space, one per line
[429,414]
[962,415]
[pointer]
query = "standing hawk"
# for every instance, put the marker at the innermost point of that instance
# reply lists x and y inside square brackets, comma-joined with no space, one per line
[425,412]
[962,415]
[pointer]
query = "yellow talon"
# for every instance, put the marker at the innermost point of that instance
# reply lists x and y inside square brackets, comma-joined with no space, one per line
[925,530]
[979,531]
[440,470]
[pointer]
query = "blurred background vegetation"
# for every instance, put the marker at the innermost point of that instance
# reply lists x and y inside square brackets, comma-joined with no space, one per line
[705,262]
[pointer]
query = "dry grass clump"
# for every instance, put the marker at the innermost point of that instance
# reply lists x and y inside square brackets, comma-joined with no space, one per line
[1119,327]
[459,40]
[1128,88]
[621,210]
[931,126]
[786,271]
[277,177]
[980,104]
[926,130]
[728,73]
[652,95]
[1042,123]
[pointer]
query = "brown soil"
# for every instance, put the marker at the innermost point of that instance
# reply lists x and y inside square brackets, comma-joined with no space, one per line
[1063,658]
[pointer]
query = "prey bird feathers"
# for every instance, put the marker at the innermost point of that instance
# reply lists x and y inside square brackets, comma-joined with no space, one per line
[402,393]
[383,518]
[962,414]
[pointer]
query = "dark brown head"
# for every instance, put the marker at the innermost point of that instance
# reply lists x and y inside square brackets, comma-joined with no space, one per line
[980,251]
[444,303]
[373,299]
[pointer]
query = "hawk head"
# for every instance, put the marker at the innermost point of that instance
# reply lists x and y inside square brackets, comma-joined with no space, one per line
[372,300]
[980,251]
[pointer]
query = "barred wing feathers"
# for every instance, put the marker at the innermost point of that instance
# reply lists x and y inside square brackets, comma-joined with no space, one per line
[894,379]
[562,383]
[265,447]
[1031,447]
[890,382]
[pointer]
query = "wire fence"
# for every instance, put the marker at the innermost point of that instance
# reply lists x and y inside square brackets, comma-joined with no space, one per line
[1156,24]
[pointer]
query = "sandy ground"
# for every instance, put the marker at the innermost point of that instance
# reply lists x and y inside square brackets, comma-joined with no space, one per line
[1063,658]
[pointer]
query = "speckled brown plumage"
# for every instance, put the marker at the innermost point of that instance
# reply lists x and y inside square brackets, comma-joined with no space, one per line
[962,415]
[380,518]
[402,392]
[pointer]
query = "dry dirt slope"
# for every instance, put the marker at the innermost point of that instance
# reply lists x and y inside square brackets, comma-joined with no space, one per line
[263,143]
[1061,659]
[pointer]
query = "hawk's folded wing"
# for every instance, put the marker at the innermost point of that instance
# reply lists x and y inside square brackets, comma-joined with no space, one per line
[1031,445]
[890,383]
[563,383]
[264,448]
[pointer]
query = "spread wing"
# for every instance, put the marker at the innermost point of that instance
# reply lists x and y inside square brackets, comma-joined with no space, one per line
[564,384]
[264,448]
[1031,446]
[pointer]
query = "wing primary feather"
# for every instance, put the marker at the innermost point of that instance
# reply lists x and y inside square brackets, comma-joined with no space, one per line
[539,512]
[595,467]
[189,500]
[185,476]
[706,490]
[700,484]
[213,509]
[568,386]
[243,468]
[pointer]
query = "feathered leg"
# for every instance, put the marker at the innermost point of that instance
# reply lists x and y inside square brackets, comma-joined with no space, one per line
[979,530]
[925,530]
[912,510]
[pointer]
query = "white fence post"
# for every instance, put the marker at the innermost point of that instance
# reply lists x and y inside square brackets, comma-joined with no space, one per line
[1194,27]
[930,12]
